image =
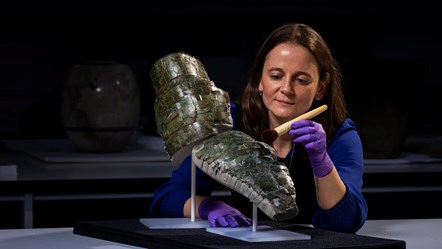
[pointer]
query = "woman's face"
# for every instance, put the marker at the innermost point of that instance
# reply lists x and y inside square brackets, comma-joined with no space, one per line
[289,82]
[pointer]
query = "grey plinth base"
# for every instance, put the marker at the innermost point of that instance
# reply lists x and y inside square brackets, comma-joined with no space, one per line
[262,233]
[174,223]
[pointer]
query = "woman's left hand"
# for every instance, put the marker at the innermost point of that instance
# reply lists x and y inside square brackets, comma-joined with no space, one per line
[313,137]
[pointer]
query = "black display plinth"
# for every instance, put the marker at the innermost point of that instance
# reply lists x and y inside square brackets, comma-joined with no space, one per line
[132,232]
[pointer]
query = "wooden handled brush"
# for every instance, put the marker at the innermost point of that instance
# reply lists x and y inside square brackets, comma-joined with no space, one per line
[270,135]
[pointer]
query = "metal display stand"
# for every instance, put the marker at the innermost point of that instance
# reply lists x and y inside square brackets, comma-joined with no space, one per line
[254,233]
[177,223]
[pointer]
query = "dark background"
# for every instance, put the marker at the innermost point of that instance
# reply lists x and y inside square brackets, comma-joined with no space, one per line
[390,53]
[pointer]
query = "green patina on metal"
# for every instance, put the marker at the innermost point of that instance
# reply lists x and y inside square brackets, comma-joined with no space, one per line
[193,117]
[251,168]
[188,106]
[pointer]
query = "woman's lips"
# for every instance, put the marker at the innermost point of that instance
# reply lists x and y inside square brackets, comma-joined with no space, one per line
[285,102]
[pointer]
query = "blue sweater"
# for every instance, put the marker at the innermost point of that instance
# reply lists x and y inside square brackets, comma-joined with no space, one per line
[345,150]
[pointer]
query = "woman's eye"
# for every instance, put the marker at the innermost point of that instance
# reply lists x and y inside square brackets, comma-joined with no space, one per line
[302,81]
[275,77]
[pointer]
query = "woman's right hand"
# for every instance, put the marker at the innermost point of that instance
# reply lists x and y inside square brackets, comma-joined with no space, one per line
[218,212]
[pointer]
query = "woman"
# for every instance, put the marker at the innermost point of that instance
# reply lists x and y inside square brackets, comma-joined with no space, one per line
[293,72]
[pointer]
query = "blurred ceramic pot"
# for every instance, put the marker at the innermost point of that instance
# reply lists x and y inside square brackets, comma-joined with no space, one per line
[101,106]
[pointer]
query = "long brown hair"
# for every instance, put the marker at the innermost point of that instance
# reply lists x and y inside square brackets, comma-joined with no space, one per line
[254,114]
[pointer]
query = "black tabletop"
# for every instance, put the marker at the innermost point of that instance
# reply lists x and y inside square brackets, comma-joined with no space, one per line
[133,232]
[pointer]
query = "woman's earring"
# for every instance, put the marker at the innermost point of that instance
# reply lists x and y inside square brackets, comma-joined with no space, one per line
[260,93]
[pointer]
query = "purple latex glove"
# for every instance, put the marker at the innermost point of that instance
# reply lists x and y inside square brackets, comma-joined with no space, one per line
[216,211]
[313,137]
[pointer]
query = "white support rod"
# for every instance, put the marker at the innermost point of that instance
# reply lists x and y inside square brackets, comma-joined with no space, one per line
[254,218]
[192,189]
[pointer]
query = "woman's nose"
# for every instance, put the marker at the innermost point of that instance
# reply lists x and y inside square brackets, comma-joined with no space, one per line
[286,89]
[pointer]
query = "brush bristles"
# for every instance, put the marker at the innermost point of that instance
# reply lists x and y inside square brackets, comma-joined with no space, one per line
[269,135]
